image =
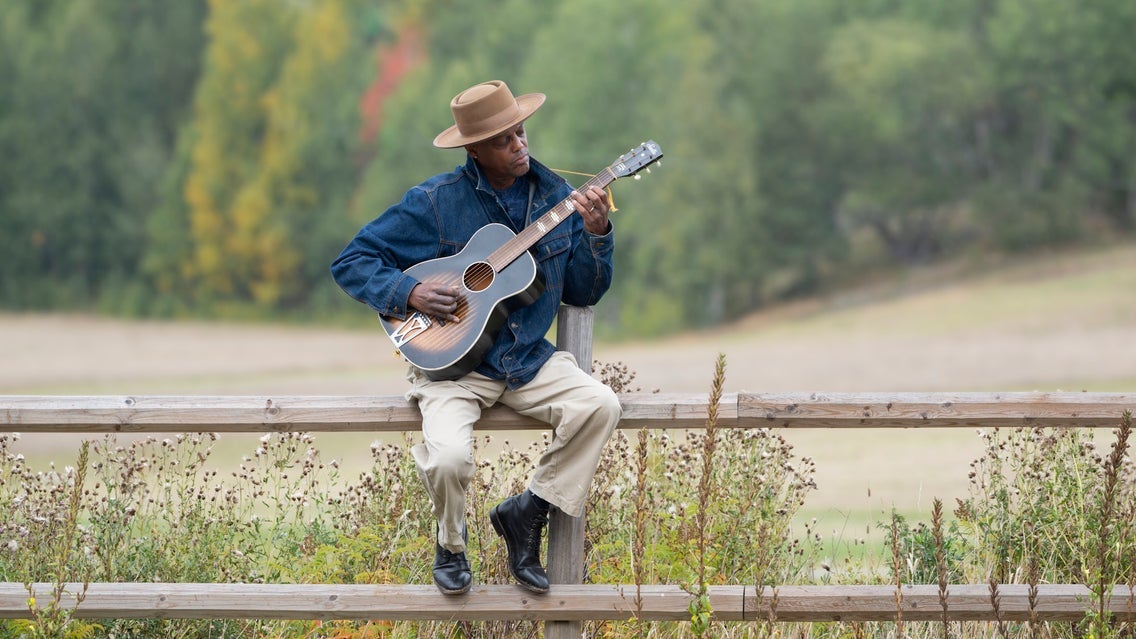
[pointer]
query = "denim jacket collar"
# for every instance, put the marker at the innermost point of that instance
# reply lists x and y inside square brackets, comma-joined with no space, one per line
[547,181]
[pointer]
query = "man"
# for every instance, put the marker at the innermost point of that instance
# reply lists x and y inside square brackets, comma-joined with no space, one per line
[499,183]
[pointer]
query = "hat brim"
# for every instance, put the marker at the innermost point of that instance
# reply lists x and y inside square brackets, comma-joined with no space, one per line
[452,138]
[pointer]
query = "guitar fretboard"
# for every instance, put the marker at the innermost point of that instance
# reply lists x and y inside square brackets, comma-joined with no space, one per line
[532,233]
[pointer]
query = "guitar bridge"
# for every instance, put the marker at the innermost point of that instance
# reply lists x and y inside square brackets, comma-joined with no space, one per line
[411,328]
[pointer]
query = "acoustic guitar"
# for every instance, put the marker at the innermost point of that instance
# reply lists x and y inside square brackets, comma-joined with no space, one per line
[496,275]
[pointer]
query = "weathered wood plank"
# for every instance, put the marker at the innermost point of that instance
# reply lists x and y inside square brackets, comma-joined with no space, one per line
[932,410]
[156,413]
[967,602]
[98,414]
[655,410]
[234,413]
[391,602]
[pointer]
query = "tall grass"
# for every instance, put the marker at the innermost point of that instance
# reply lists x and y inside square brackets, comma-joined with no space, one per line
[694,508]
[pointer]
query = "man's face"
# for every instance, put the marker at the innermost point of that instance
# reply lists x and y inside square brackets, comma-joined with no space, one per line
[503,158]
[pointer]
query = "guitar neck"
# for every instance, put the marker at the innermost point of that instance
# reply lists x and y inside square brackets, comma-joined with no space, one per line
[532,233]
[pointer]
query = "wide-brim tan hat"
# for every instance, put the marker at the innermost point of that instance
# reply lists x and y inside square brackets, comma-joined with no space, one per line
[484,110]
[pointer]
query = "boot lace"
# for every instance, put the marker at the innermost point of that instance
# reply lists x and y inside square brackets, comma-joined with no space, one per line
[459,557]
[536,528]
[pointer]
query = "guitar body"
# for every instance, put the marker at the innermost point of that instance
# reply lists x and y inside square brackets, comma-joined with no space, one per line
[449,350]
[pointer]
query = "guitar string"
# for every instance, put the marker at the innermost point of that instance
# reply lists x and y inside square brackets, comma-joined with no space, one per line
[505,254]
[610,195]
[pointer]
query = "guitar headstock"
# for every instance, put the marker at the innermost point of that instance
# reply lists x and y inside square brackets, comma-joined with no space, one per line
[637,159]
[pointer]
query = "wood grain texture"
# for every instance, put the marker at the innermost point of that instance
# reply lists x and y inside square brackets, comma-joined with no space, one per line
[392,413]
[932,410]
[970,602]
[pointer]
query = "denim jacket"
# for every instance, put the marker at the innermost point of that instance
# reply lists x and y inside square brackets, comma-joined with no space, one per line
[437,218]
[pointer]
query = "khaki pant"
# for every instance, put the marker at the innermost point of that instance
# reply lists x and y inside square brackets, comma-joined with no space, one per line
[582,411]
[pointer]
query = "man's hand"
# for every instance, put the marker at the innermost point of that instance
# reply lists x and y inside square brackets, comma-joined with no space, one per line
[592,205]
[437,301]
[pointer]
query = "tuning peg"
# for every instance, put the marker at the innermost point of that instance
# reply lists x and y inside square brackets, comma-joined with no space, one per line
[638,177]
[648,170]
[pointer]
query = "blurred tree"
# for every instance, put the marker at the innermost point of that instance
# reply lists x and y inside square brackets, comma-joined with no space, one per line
[905,97]
[306,169]
[231,148]
[1063,135]
[89,106]
[274,140]
[770,56]
[231,235]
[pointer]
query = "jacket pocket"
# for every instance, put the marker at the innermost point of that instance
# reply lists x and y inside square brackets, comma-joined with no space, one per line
[551,257]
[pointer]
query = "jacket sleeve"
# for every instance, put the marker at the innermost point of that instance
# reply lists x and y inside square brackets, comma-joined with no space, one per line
[371,267]
[590,268]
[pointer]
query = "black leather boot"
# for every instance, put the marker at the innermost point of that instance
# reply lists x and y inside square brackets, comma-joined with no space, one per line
[451,570]
[519,520]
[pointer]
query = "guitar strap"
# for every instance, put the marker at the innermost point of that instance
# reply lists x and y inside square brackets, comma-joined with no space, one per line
[528,220]
[528,207]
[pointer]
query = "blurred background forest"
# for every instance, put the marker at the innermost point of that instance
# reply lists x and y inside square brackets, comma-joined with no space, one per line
[209,159]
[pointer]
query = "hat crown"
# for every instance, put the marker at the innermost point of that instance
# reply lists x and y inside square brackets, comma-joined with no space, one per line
[484,108]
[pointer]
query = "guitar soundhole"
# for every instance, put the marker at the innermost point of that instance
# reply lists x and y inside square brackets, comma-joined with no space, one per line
[478,277]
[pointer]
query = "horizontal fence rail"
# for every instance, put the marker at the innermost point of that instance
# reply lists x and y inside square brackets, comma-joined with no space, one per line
[1053,602]
[138,414]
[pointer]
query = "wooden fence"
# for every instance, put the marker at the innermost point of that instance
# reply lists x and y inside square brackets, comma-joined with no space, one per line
[569,602]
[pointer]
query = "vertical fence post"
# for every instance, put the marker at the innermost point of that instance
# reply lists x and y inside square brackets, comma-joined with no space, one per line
[566,534]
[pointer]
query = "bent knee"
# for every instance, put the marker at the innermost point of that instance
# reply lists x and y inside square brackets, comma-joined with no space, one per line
[451,461]
[608,408]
